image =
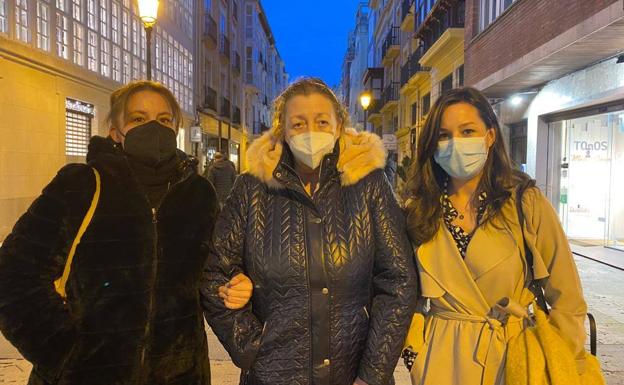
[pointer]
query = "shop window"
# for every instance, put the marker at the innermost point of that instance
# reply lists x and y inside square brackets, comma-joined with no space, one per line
[426,101]
[78,117]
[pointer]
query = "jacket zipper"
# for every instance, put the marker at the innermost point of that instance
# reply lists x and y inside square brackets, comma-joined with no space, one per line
[152,287]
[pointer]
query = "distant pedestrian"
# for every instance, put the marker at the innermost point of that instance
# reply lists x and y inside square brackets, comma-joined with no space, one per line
[123,238]
[222,173]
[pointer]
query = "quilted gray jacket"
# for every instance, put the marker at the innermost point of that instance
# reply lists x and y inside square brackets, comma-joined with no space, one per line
[334,278]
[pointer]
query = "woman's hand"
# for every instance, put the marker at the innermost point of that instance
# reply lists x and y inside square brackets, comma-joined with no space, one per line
[237,292]
[358,381]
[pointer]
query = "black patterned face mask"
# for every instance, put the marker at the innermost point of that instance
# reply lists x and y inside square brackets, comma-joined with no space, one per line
[151,143]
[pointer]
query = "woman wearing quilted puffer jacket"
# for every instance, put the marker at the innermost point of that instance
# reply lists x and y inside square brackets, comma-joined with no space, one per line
[315,225]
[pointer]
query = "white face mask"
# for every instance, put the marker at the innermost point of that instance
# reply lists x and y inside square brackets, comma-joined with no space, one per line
[462,158]
[310,148]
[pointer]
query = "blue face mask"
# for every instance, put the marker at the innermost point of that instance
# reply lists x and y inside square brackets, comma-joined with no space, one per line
[462,158]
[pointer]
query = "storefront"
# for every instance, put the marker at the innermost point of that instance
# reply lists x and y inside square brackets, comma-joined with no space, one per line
[590,179]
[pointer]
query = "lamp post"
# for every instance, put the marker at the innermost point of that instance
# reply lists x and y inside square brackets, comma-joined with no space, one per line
[148,12]
[365,100]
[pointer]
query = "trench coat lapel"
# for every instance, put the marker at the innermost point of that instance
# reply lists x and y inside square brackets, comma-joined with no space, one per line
[440,259]
[491,245]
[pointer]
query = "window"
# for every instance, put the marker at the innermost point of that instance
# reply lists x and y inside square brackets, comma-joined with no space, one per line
[105,57]
[223,24]
[157,53]
[460,76]
[126,67]
[43,26]
[91,16]
[426,101]
[22,31]
[104,18]
[135,37]
[92,51]
[4,27]
[490,10]
[77,9]
[136,68]
[77,133]
[116,64]
[414,113]
[125,20]
[446,84]
[78,43]
[62,39]
[115,22]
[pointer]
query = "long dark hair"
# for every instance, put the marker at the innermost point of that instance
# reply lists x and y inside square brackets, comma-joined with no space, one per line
[427,178]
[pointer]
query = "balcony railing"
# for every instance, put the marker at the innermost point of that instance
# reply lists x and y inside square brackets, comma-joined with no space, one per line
[433,20]
[405,8]
[259,127]
[210,28]
[374,107]
[210,99]
[411,67]
[236,116]
[224,47]
[392,39]
[391,93]
[225,108]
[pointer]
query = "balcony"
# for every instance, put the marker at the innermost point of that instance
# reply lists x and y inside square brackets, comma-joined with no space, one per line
[210,31]
[224,47]
[441,31]
[374,112]
[237,63]
[407,16]
[390,48]
[225,108]
[210,99]
[259,127]
[412,72]
[236,116]
[390,97]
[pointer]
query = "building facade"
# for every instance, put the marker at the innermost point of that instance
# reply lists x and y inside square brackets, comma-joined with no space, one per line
[265,72]
[554,73]
[354,66]
[220,83]
[61,59]
[59,62]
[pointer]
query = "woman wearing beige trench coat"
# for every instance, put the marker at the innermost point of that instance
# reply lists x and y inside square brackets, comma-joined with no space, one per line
[470,248]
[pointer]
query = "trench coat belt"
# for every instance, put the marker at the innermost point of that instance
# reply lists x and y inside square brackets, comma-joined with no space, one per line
[493,333]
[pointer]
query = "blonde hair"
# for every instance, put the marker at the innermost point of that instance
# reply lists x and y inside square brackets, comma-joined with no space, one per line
[119,101]
[305,86]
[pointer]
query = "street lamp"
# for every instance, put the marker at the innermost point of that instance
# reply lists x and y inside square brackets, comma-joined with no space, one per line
[365,100]
[148,12]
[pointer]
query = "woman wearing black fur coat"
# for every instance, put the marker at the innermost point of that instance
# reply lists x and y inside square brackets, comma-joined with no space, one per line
[131,313]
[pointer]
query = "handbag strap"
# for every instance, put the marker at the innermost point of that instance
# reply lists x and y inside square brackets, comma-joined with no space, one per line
[531,283]
[60,283]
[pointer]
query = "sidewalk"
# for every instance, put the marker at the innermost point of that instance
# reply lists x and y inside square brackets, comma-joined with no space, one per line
[604,291]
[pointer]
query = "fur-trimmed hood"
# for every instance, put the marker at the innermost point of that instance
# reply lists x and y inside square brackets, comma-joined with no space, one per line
[360,153]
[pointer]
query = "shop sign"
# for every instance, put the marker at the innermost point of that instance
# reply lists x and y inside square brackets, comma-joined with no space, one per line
[81,107]
[196,134]
[390,142]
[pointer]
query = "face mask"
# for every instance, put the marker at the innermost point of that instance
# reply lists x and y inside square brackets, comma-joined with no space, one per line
[462,158]
[311,147]
[151,143]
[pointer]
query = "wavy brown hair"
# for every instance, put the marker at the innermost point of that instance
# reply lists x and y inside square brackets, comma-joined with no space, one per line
[427,178]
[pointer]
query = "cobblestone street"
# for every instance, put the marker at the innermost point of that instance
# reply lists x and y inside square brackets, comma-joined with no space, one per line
[604,291]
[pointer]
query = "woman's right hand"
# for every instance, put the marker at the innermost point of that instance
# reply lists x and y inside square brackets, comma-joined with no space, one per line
[237,292]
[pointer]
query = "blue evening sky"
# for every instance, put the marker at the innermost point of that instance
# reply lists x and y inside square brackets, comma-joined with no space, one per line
[311,35]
